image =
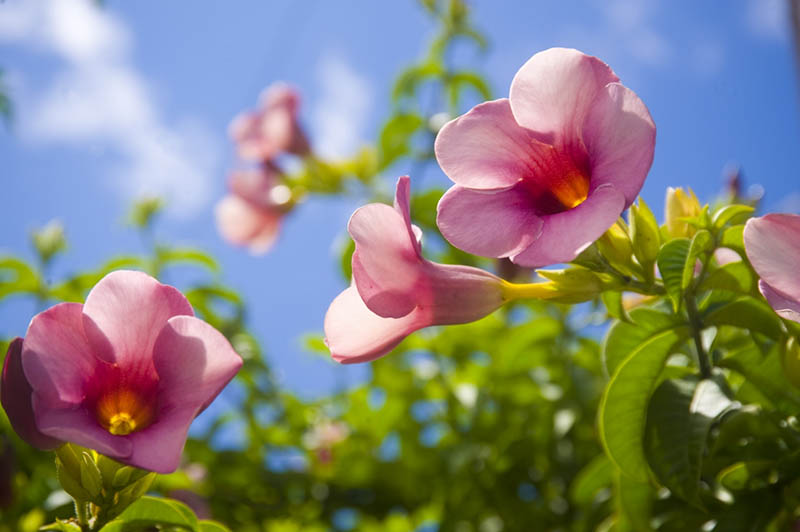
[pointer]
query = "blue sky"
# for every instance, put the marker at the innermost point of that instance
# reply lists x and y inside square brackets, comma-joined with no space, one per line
[137,97]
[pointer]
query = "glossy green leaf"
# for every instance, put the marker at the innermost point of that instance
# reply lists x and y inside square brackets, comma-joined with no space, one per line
[612,299]
[623,408]
[766,373]
[211,526]
[701,242]
[731,214]
[748,313]
[672,260]
[733,237]
[153,511]
[679,417]
[733,277]
[635,501]
[623,338]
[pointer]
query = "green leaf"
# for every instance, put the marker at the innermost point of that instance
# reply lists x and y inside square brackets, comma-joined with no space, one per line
[733,277]
[61,526]
[766,374]
[612,299]
[733,237]
[211,526]
[187,255]
[596,475]
[623,338]
[746,313]
[17,277]
[731,214]
[635,500]
[701,242]
[153,511]
[679,418]
[672,260]
[395,138]
[623,408]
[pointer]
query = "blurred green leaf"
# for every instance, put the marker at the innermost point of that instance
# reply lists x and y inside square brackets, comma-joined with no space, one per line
[731,214]
[17,277]
[623,408]
[766,373]
[395,138]
[747,313]
[635,501]
[733,277]
[197,257]
[733,237]
[154,511]
[211,526]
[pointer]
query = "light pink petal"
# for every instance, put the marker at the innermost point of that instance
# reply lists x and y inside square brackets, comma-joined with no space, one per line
[402,204]
[194,362]
[486,148]
[620,136]
[459,294]
[125,312]
[243,224]
[244,129]
[772,243]
[158,447]
[386,261]
[490,223]
[254,185]
[354,334]
[79,426]
[554,90]
[564,235]
[16,395]
[783,306]
[56,354]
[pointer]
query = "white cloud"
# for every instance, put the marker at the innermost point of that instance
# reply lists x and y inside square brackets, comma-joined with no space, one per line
[99,97]
[768,18]
[631,24]
[341,112]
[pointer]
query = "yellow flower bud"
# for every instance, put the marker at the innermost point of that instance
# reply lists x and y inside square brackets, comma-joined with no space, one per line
[679,205]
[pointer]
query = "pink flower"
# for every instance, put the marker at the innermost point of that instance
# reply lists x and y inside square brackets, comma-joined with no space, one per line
[541,175]
[772,243]
[251,216]
[395,291]
[272,129]
[123,374]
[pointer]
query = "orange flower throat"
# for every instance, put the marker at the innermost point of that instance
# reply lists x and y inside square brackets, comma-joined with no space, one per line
[122,411]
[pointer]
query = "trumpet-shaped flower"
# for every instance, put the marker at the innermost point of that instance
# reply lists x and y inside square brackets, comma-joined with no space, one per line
[772,243]
[251,215]
[272,129]
[542,174]
[123,374]
[395,291]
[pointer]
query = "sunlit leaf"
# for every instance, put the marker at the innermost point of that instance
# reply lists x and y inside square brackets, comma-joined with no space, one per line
[672,260]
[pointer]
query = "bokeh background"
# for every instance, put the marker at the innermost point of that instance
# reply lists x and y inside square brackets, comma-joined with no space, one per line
[135,98]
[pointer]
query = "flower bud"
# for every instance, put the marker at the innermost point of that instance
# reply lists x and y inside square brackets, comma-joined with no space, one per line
[678,206]
[616,246]
[645,235]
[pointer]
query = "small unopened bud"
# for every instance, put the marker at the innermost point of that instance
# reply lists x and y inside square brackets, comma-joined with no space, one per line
[678,206]
[645,235]
[573,285]
[616,246]
[49,240]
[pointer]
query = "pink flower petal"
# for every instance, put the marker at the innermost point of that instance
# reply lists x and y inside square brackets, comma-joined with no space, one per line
[159,447]
[243,224]
[78,425]
[620,137]
[124,314]
[783,306]
[554,90]
[385,263]
[454,293]
[16,395]
[194,362]
[566,234]
[402,204]
[56,354]
[491,223]
[486,148]
[772,243]
[355,334]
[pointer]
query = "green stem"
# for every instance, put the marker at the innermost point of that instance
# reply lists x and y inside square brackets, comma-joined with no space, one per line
[81,514]
[703,360]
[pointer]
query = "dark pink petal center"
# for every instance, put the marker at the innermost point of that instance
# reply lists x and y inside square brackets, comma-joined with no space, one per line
[558,178]
[122,401]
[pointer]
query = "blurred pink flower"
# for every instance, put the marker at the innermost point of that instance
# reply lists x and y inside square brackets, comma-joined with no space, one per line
[772,243]
[544,173]
[123,374]
[251,215]
[395,291]
[273,128]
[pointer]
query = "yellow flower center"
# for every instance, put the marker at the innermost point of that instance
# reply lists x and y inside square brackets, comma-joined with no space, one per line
[123,411]
[571,190]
